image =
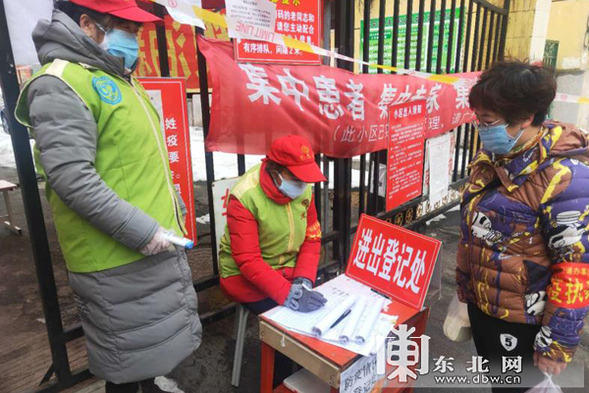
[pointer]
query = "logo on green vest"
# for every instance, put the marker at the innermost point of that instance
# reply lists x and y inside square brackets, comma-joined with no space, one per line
[107,89]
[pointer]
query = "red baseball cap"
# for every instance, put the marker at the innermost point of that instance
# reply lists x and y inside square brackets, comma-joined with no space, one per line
[124,9]
[295,153]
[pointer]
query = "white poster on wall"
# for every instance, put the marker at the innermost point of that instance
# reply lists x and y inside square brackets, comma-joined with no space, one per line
[255,14]
[221,190]
[439,156]
[22,17]
[182,12]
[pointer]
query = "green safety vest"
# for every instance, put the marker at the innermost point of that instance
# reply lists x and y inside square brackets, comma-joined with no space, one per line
[281,228]
[131,158]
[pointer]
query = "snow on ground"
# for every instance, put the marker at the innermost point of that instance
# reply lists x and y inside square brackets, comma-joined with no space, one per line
[204,219]
[355,177]
[225,164]
[455,209]
[6,151]
[435,219]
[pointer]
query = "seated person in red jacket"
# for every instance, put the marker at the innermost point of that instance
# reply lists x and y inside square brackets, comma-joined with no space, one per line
[270,250]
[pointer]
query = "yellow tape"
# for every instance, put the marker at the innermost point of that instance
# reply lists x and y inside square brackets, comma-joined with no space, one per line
[209,16]
[221,21]
[296,44]
[449,79]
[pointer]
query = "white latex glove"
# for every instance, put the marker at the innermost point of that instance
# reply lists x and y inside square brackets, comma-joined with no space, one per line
[157,244]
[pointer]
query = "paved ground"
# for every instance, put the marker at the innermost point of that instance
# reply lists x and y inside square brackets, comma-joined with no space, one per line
[24,352]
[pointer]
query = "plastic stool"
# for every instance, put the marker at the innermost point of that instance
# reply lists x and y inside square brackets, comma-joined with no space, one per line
[5,187]
[240,326]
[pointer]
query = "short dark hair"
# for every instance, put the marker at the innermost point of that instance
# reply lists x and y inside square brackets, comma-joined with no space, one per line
[75,12]
[515,90]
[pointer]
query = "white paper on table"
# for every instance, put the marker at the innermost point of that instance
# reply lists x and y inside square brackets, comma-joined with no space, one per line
[439,177]
[381,329]
[335,291]
[304,322]
[364,332]
[324,325]
[352,323]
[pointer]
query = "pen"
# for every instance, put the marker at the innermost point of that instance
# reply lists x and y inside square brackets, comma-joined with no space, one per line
[341,318]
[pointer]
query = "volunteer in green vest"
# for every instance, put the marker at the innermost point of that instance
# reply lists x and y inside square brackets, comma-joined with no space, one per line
[100,148]
[272,243]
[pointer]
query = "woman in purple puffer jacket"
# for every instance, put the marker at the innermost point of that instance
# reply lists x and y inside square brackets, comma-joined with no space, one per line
[523,264]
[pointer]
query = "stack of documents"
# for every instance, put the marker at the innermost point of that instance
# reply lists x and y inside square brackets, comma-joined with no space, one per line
[351,318]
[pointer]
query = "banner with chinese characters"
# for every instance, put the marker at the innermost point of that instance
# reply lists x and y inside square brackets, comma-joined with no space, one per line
[168,95]
[393,260]
[300,19]
[342,114]
[405,153]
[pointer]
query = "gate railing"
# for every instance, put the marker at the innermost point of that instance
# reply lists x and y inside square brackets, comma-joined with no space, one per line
[475,38]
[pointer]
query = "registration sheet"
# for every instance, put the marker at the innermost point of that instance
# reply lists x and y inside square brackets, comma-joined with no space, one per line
[362,323]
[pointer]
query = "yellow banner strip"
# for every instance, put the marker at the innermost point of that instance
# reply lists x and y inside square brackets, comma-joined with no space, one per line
[220,20]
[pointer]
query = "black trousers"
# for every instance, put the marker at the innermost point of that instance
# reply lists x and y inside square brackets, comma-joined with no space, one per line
[495,339]
[283,366]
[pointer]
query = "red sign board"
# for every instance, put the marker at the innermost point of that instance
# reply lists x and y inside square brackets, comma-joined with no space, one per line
[395,261]
[405,153]
[168,95]
[299,19]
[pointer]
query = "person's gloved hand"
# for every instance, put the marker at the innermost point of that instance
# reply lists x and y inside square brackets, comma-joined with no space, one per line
[303,300]
[157,244]
[303,280]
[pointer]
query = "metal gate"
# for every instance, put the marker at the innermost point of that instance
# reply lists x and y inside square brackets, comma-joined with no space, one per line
[467,35]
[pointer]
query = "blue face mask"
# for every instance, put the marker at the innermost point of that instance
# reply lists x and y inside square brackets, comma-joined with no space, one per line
[291,188]
[496,139]
[123,44]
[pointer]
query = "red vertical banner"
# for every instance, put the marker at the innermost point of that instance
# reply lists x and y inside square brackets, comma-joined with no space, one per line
[405,152]
[299,19]
[181,45]
[168,95]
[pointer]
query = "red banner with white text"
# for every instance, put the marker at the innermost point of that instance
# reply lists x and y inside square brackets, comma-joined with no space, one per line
[168,96]
[341,113]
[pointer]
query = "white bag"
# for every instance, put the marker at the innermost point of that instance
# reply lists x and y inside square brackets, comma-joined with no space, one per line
[546,386]
[457,323]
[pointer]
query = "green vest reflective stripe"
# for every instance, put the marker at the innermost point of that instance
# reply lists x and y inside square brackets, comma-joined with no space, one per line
[131,158]
[282,228]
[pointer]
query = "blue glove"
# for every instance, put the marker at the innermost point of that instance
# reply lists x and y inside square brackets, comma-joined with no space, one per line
[303,300]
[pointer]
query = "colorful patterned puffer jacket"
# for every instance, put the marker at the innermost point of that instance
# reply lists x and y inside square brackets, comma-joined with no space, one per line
[524,249]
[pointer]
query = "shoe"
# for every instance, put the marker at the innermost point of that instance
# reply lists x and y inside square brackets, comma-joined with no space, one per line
[149,386]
